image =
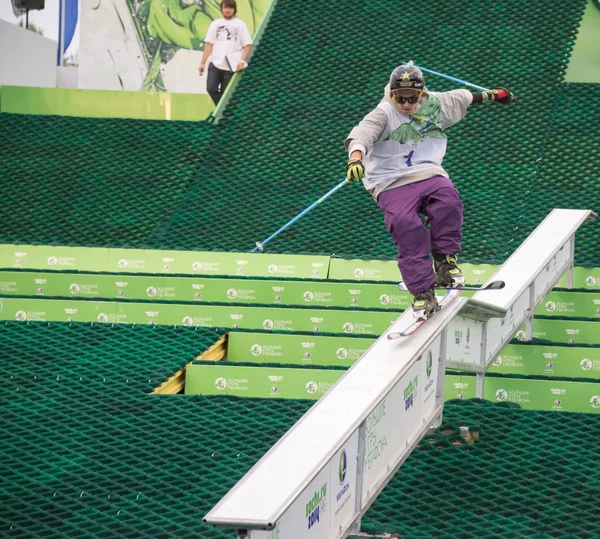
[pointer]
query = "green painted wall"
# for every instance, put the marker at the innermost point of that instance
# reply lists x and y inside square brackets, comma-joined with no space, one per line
[105,103]
[584,65]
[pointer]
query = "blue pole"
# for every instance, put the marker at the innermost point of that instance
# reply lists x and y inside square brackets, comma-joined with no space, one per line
[460,81]
[260,244]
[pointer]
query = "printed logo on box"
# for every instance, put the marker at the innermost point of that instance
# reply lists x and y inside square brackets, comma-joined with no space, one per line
[52,261]
[342,470]
[410,392]
[497,362]
[585,364]
[342,467]
[550,306]
[272,268]
[122,263]
[501,395]
[256,349]
[21,315]
[429,363]
[220,383]
[315,508]
[591,281]
[348,327]
[74,288]
[308,296]
[102,317]
[341,353]
[187,321]
[232,293]
[384,299]
[268,324]
[595,401]
[311,387]
[359,272]
[151,291]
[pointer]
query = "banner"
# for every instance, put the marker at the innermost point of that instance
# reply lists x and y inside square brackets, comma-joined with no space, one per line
[568,304]
[173,314]
[67,12]
[151,45]
[567,331]
[459,387]
[296,349]
[208,290]
[262,382]
[542,360]
[165,262]
[544,394]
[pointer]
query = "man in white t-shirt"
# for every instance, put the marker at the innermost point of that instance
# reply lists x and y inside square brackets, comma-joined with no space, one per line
[225,37]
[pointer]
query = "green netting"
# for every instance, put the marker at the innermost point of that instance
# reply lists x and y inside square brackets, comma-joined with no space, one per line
[93,182]
[317,71]
[87,452]
[525,476]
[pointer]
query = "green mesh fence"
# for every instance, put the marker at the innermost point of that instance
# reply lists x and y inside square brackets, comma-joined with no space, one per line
[317,71]
[87,452]
[93,182]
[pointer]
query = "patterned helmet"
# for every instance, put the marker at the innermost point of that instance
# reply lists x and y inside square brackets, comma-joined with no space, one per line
[407,77]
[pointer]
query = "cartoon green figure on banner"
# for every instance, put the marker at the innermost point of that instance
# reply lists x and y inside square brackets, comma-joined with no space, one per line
[165,27]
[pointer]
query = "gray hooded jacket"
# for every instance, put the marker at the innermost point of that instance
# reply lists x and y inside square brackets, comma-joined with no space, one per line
[397,149]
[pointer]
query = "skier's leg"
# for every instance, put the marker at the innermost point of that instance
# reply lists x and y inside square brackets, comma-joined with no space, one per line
[401,208]
[213,81]
[444,209]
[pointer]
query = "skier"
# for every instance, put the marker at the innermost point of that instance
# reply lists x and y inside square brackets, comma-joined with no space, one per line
[398,149]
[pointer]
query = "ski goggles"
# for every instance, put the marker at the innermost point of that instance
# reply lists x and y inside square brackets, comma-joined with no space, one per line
[401,99]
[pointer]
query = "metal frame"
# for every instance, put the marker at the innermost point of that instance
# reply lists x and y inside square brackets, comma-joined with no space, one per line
[530,273]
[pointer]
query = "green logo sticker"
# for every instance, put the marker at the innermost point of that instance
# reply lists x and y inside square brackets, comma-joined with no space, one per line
[311,387]
[341,353]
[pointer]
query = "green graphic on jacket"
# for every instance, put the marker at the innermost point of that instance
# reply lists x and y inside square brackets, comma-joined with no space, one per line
[426,124]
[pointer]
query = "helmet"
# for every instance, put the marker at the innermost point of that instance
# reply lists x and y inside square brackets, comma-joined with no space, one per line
[407,77]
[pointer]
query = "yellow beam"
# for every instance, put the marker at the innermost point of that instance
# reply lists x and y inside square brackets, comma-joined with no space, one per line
[176,383]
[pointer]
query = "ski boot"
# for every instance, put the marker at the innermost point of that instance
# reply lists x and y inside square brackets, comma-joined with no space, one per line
[447,271]
[425,304]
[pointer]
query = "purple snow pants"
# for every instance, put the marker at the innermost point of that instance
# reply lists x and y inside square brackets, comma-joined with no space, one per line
[438,199]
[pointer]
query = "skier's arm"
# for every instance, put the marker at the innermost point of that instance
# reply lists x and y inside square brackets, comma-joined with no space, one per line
[361,140]
[367,132]
[498,94]
[456,102]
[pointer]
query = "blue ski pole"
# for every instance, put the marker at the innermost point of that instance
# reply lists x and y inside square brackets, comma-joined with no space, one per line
[454,79]
[260,244]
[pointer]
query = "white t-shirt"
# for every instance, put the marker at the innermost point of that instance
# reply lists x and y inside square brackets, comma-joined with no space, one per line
[227,36]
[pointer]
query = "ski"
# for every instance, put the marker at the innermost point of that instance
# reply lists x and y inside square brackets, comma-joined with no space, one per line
[494,285]
[412,328]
